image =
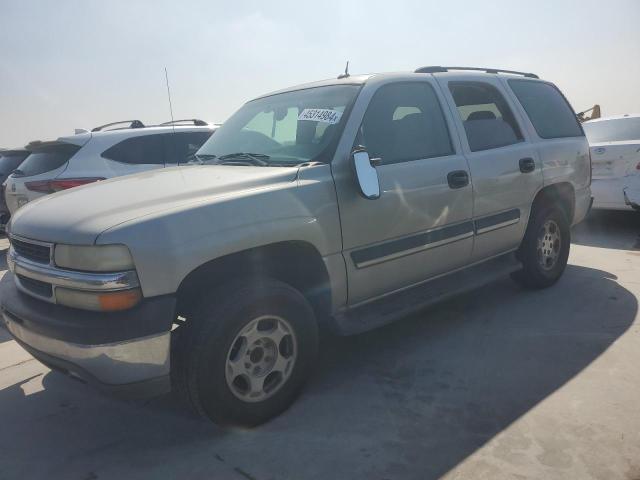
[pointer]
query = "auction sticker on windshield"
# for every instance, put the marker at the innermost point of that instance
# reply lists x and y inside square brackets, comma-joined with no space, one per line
[324,115]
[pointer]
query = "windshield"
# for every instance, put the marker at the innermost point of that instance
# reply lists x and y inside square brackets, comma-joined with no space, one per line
[618,130]
[283,129]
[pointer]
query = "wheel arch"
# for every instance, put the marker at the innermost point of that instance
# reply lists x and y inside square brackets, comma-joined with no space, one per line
[561,194]
[297,263]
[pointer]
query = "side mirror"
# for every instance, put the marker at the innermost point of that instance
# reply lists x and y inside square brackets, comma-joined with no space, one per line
[366,174]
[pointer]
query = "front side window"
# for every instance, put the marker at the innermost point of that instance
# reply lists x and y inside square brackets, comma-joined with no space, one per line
[404,122]
[283,129]
[141,150]
[549,112]
[488,121]
[616,130]
[182,146]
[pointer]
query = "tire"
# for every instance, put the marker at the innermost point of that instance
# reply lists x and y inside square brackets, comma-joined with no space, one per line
[237,335]
[544,251]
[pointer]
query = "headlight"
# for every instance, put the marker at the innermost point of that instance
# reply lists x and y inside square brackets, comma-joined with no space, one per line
[94,258]
[99,301]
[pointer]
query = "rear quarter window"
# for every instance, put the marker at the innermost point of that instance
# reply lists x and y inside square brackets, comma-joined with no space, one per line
[46,159]
[548,110]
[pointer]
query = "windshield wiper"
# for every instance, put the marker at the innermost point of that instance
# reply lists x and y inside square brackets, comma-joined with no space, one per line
[255,158]
[200,158]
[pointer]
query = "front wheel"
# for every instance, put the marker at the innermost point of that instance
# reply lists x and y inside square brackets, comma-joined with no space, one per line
[247,352]
[545,249]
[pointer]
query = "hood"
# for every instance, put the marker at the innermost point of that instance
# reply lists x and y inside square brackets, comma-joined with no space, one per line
[79,215]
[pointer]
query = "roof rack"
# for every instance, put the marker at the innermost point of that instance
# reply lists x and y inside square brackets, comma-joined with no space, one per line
[132,124]
[197,122]
[437,69]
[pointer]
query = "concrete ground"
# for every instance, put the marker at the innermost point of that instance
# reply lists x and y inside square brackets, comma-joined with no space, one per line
[499,383]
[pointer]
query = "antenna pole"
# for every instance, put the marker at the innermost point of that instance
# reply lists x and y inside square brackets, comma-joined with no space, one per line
[166,78]
[173,125]
[346,72]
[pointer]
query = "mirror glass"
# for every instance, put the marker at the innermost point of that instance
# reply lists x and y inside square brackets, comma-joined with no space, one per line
[367,175]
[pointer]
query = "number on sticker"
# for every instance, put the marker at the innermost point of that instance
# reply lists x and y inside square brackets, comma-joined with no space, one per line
[324,115]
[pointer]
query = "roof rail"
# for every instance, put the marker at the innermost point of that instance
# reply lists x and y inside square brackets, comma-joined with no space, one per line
[437,69]
[132,124]
[197,122]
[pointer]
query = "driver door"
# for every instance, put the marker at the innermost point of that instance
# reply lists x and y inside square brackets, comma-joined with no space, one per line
[421,225]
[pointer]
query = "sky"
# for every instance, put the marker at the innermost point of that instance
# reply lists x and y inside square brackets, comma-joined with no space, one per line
[77,64]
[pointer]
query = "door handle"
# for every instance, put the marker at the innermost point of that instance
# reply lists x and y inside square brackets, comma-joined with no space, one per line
[458,179]
[527,165]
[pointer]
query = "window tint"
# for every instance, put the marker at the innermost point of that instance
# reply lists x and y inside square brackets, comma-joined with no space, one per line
[290,127]
[9,161]
[404,121]
[618,130]
[182,146]
[488,121]
[46,158]
[550,113]
[147,149]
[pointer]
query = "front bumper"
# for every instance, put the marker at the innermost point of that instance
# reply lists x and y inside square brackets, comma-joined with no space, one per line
[126,353]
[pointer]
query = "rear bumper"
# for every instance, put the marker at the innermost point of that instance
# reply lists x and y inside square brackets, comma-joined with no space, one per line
[126,354]
[608,194]
[632,197]
[631,191]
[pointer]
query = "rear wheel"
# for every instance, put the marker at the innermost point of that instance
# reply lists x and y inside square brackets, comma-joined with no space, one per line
[246,351]
[545,248]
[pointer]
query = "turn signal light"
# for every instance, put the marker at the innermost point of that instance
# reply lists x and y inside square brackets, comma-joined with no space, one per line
[98,301]
[52,186]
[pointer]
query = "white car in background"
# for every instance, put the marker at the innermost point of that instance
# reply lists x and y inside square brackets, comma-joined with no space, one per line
[615,157]
[111,150]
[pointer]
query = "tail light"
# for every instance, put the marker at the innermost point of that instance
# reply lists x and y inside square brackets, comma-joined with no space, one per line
[52,186]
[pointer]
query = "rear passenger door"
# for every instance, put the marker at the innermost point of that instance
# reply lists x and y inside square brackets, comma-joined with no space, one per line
[504,165]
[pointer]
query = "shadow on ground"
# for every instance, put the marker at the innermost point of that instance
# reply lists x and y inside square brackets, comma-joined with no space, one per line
[609,229]
[410,400]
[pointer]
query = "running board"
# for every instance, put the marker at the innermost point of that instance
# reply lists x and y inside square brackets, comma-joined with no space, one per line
[395,306]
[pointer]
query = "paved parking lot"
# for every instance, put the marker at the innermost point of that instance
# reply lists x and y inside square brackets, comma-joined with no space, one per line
[499,383]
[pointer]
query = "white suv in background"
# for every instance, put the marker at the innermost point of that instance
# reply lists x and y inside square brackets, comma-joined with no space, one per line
[100,154]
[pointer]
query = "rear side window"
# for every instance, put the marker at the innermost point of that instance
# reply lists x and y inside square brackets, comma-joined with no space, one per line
[403,122]
[488,121]
[46,158]
[182,146]
[141,150]
[550,113]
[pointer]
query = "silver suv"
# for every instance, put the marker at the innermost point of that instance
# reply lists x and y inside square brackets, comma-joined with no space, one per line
[339,205]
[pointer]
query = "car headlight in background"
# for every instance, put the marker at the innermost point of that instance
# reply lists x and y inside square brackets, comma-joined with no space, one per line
[94,258]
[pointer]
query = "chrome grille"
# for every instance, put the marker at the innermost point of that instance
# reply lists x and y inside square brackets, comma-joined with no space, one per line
[32,251]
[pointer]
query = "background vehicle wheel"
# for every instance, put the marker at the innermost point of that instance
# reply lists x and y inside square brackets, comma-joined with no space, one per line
[245,352]
[545,249]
